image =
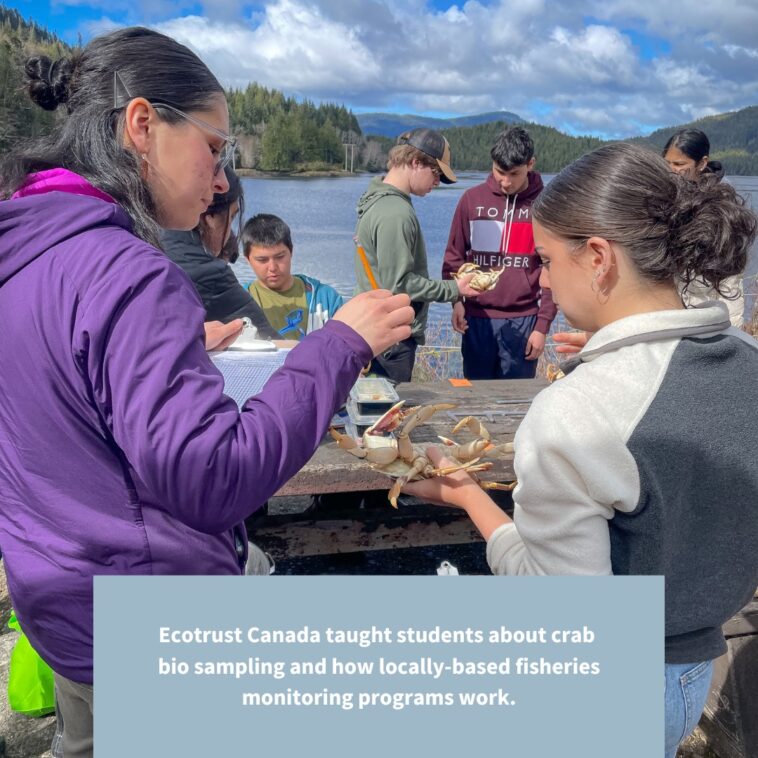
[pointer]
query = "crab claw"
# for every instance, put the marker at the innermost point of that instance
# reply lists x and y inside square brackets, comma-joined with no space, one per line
[476,427]
[553,373]
[346,442]
[390,420]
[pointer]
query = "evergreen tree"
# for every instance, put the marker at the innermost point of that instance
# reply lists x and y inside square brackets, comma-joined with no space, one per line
[279,133]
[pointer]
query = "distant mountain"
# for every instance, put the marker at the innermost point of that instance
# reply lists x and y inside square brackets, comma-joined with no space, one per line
[393,124]
[306,136]
[733,137]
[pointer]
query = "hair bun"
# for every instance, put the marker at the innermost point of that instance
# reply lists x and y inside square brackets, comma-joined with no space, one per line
[48,81]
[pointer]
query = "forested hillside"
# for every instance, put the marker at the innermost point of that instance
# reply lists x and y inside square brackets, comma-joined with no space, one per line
[733,137]
[553,149]
[275,133]
[280,133]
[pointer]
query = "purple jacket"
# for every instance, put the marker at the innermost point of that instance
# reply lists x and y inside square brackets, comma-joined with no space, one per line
[119,452]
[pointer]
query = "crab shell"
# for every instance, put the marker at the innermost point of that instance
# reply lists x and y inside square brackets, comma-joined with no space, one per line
[483,281]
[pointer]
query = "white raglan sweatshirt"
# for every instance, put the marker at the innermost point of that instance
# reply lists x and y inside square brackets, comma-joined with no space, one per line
[642,460]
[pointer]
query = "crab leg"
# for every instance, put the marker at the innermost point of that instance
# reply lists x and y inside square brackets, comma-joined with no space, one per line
[476,427]
[346,442]
[419,416]
[469,466]
[473,449]
[418,466]
[503,450]
[498,486]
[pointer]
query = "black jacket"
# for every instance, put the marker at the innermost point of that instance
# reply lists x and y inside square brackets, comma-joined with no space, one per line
[223,296]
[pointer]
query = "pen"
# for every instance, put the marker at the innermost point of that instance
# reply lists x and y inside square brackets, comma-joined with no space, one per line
[366,265]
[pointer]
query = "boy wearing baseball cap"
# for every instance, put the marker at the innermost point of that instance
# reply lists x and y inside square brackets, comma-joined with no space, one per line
[389,233]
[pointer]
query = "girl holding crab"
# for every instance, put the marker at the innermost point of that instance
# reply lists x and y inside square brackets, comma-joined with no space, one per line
[621,469]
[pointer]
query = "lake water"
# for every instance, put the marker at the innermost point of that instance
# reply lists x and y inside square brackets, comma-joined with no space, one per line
[321,214]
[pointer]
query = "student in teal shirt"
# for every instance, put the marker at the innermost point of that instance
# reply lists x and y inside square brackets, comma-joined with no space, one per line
[294,304]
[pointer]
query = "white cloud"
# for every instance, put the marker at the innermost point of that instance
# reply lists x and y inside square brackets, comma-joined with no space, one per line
[587,76]
[733,21]
[735,51]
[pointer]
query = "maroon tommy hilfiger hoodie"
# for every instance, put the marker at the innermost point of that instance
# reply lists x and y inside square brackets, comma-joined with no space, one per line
[495,230]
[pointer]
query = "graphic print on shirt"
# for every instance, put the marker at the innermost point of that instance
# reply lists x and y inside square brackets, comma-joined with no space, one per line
[506,240]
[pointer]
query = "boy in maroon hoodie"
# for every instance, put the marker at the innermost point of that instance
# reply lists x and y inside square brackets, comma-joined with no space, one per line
[503,330]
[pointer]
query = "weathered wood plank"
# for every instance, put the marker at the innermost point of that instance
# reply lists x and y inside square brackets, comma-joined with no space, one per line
[500,404]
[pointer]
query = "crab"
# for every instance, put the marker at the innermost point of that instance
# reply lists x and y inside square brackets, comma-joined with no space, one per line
[397,457]
[553,373]
[483,281]
[479,447]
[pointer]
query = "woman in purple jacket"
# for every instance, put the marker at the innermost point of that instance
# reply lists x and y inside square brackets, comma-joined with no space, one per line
[119,452]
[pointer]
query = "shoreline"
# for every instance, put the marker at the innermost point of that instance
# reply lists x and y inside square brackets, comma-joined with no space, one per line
[254,173]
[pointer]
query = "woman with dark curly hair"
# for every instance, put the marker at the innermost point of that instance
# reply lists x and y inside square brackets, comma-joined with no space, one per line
[639,460]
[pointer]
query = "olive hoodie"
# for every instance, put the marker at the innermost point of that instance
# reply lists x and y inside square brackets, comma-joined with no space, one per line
[389,232]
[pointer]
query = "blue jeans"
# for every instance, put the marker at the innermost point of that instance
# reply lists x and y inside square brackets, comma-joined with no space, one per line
[687,688]
[493,348]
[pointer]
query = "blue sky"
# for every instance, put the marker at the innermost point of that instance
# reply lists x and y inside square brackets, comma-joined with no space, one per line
[607,67]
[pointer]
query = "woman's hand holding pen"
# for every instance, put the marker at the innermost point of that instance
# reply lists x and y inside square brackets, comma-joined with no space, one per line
[380,317]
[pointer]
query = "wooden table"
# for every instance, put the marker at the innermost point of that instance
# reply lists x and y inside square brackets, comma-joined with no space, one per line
[346,528]
[499,404]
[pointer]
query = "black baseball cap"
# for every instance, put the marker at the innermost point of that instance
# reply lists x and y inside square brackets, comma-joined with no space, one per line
[434,145]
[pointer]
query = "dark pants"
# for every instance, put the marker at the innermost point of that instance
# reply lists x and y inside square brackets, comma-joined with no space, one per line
[397,362]
[73,707]
[494,348]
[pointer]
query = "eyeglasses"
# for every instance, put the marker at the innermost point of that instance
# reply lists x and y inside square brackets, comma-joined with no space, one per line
[228,149]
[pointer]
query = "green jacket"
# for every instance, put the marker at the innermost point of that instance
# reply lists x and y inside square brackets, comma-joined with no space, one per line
[389,232]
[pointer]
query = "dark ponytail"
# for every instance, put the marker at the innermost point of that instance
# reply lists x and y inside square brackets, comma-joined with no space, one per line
[672,229]
[48,81]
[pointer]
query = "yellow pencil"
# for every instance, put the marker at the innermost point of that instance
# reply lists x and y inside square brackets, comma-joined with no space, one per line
[367,267]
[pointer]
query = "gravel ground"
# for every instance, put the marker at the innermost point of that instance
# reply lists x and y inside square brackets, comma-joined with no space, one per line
[30,738]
